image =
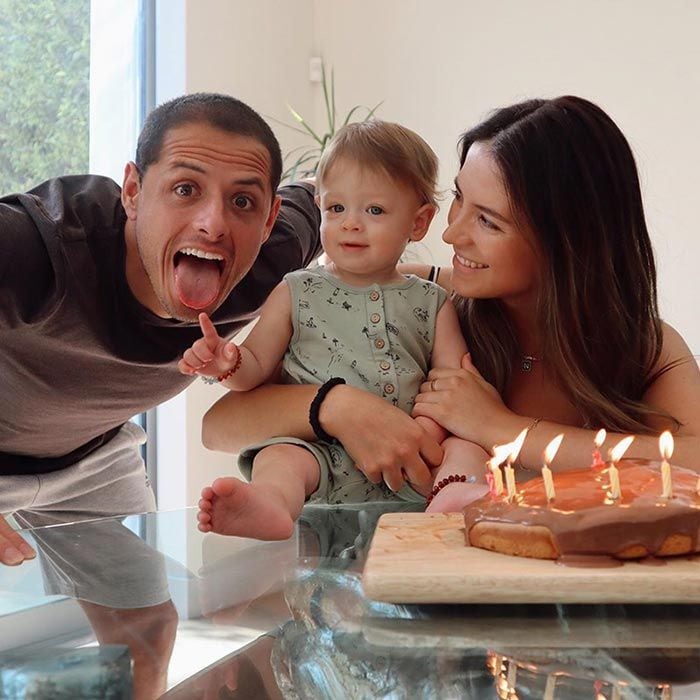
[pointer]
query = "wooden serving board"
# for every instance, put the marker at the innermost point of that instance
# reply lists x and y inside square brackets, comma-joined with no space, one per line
[423,558]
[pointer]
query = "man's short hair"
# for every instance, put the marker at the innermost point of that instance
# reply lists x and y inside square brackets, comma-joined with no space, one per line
[221,111]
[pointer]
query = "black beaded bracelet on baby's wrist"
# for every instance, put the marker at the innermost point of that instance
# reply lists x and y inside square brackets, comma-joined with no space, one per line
[315,407]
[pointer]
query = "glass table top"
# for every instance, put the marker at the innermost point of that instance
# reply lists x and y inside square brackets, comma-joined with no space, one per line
[148,604]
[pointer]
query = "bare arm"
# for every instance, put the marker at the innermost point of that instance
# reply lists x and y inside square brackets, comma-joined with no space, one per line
[254,361]
[264,348]
[381,439]
[471,408]
[448,349]
[444,278]
[271,410]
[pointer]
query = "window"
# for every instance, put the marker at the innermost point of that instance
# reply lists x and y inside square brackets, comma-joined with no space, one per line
[75,84]
[44,90]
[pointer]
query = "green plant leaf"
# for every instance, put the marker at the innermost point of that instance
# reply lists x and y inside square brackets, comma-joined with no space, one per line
[304,125]
[307,161]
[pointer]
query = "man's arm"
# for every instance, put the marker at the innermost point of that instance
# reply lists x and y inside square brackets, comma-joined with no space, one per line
[379,437]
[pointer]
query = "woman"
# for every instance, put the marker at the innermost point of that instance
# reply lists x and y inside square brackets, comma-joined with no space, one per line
[556,278]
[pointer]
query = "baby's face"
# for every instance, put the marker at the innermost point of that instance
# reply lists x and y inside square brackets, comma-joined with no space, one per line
[367,221]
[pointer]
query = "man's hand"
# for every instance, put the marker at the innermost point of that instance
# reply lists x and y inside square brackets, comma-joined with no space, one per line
[13,549]
[385,443]
[211,355]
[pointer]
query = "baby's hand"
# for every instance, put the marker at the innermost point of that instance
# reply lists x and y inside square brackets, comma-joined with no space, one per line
[211,355]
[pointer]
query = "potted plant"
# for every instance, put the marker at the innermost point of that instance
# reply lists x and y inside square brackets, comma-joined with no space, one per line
[301,162]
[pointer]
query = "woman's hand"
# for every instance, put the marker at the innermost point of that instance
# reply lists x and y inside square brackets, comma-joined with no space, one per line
[464,403]
[384,442]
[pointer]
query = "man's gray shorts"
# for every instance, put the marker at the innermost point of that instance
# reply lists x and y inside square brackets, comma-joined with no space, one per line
[104,563]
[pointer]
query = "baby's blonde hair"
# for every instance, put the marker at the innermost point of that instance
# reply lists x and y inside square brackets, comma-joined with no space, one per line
[389,147]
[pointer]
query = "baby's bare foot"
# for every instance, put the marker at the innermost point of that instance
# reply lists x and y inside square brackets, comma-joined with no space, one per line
[234,507]
[455,497]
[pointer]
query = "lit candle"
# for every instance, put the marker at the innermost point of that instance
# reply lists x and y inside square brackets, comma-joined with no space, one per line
[512,675]
[614,474]
[497,479]
[615,455]
[550,687]
[549,453]
[598,441]
[500,452]
[666,449]
[515,448]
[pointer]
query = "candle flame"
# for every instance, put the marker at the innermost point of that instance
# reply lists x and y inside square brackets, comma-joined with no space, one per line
[551,450]
[599,438]
[619,450]
[516,446]
[500,454]
[666,444]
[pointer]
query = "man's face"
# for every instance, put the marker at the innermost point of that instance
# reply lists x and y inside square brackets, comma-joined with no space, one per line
[196,220]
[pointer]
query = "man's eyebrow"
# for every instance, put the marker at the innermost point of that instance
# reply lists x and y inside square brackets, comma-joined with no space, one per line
[245,181]
[188,166]
[251,182]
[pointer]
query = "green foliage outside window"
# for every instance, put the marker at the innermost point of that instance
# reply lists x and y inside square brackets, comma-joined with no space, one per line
[44,90]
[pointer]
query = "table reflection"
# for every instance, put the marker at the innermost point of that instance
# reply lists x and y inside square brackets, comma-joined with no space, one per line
[307,630]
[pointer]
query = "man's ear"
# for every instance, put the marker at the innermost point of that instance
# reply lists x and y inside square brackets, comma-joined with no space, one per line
[131,189]
[317,200]
[421,221]
[274,210]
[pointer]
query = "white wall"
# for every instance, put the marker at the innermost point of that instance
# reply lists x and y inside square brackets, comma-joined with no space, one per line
[442,65]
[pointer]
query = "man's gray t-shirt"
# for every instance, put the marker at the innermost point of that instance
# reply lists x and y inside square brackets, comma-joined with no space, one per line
[79,355]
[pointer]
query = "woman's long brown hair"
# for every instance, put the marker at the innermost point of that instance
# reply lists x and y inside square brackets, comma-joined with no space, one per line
[572,182]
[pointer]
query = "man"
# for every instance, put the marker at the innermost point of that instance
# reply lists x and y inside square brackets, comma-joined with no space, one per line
[100,290]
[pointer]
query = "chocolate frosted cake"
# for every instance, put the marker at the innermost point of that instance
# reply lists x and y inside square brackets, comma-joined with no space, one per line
[583,520]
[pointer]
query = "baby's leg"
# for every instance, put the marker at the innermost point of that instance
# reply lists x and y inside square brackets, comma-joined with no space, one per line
[461,457]
[267,507]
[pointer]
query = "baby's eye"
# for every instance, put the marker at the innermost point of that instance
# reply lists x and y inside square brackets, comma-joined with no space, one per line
[375,210]
[336,208]
[456,194]
[242,201]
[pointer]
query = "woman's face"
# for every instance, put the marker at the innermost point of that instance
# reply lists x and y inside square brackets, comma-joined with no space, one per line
[494,259]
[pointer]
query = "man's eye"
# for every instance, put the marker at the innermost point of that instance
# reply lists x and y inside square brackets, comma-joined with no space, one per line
[184,190]
[242,202]
[375,210]
[336,208]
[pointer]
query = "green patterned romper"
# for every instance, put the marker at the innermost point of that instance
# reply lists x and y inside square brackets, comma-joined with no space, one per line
[377,338]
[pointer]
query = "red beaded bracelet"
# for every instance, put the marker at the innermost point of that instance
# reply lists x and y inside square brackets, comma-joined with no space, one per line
[227,374]
[451,479]
[234,369]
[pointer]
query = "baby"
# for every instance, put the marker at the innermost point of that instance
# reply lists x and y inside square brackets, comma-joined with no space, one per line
[357,319]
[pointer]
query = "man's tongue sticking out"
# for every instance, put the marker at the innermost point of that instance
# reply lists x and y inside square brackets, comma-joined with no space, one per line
[196,281]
